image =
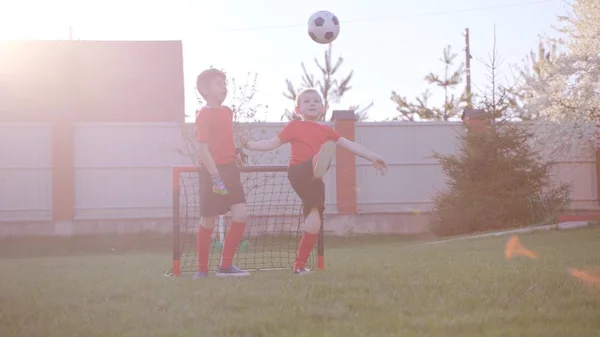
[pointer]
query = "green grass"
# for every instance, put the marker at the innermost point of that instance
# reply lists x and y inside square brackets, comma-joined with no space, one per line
[462,288]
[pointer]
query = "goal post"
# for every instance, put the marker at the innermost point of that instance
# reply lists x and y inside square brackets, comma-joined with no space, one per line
[273,229]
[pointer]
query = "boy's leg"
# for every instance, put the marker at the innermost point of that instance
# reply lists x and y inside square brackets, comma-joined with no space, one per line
[204,234]
[312,226]
[322,160]
[312,194]
[239,215]
[211,206]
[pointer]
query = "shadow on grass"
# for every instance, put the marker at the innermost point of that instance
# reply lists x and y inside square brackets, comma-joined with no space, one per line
[22,247]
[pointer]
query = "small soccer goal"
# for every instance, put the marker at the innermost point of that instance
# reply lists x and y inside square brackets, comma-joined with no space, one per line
[273,229]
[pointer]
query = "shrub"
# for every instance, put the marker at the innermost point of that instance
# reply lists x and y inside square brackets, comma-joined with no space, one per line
[496,181]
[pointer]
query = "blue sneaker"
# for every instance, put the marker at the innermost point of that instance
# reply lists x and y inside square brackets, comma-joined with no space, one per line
[302,271]
[200,274]
[231,271]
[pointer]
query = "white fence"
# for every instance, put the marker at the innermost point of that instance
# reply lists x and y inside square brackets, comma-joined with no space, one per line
[123,170]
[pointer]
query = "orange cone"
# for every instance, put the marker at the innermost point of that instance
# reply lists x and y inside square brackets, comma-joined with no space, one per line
[588,278]
[515,248]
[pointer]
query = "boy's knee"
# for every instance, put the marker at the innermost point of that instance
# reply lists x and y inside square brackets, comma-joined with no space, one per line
[328,144]
[312,224]
[239,213]
[207,222]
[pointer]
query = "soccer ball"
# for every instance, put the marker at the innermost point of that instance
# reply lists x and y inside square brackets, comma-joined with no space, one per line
[323,27]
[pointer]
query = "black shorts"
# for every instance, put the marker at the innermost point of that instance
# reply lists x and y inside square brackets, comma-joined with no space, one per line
[310,191]
[213,204]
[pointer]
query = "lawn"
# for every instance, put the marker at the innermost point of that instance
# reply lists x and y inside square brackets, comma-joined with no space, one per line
[95,287]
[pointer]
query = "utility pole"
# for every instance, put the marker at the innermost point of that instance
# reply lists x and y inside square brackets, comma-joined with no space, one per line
[468,67]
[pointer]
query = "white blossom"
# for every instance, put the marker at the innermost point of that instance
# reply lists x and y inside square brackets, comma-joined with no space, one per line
[565,93]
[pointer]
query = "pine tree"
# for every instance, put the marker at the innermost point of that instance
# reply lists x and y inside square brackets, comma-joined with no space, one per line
[499,100]
[497,180]
[419,109]
[331,89]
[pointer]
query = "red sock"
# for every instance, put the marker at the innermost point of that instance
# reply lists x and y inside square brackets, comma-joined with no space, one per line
[203,247]
[304,248]
[232,240]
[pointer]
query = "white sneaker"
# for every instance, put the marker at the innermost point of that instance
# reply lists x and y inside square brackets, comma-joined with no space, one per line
[231,271]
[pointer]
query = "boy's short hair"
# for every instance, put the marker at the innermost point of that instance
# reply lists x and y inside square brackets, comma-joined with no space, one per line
[206,76]
[305,91]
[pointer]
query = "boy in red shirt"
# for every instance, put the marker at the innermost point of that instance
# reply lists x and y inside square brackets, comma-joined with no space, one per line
[312,150]
[221,189]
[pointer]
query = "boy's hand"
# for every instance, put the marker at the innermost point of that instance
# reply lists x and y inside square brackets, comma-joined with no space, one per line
[244,139]
[379,164]
[218,185]
[241,157]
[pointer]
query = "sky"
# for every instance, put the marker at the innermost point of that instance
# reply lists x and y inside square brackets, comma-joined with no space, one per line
[390,45]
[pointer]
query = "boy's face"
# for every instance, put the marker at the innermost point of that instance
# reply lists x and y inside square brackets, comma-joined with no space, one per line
[310,105]
[216,90]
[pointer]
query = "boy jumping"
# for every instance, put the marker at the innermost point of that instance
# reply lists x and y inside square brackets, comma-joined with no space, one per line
[312,150]
[221,188]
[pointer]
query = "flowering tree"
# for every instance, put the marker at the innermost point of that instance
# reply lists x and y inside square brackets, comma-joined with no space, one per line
[566,92]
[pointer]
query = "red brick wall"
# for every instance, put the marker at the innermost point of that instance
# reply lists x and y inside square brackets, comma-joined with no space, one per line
[345,164]
[63,172]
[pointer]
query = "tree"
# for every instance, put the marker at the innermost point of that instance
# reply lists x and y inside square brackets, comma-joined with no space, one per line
[245,110]
[241,95]
[566,93]
[546,54]
[419,109]
[497,180]
[247,115]
[498,100]
[331,89]
[543,57]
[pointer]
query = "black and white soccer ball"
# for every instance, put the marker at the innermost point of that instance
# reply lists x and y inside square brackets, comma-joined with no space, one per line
[323,27]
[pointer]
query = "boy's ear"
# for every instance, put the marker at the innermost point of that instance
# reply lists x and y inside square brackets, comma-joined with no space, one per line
[297,109]
[201,90]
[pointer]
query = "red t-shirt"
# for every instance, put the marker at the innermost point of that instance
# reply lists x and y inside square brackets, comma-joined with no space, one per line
[306,139]
[214,126]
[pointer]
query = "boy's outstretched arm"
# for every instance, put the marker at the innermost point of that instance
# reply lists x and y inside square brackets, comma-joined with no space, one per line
[357,149]
[363,152]
[263,145]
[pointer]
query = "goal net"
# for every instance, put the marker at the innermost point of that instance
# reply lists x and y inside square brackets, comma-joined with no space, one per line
[273,230]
